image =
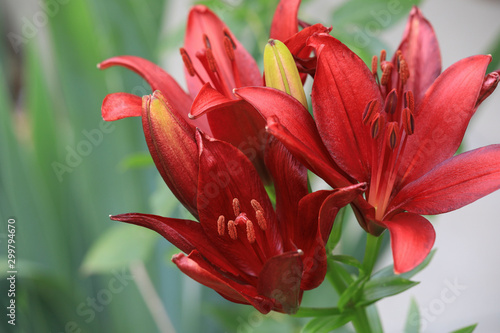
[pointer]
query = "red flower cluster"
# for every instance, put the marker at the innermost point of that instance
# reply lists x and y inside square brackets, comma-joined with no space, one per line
[384,138]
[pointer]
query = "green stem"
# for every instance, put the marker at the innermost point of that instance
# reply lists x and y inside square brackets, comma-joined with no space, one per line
[371,253]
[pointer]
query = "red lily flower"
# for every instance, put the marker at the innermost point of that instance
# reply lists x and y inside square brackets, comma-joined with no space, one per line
[398,133]
[215,63]
[241,247]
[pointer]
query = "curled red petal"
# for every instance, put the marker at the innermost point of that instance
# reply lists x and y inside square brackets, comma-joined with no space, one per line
[412,238]
[420,49]
[489,85]
[172,146]
[442,117]
[121,105]
[343,86]
[454,183]
[199,270]
[280,280]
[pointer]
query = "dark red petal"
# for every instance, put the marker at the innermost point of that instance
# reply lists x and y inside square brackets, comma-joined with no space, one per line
[454,183]
[185,234]
[298,122]
[158,79]
[489,85]
[420,49]
[173,148]
[280,280]
[199,270]
[343,86]
[285,21]
[307,154]
[317,212]
[202,21]
[443,116]
[225,174]
[290,184]
[236,122]
[412,238]
[121,105]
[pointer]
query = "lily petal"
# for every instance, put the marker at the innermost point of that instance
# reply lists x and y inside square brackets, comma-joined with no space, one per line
[225,174]
[121,105]
[199,270]
[489,85]
[202,22]
[285,20]
[342,88]
[420,49]
[171,143]
[412,238]
[454,183]
[443,116]
[280,280]
[186,235]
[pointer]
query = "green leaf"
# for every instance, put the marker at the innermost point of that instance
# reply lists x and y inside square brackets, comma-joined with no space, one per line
[468,329]
[327,324]
[379,288]
[352,293]
[413,318]
[316,312]
[117,248]
[349,260]
[136,161]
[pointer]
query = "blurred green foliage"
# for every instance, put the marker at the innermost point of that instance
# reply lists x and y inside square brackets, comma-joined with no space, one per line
[63,170]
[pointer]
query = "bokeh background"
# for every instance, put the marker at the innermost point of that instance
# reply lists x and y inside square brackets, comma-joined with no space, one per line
[63,170]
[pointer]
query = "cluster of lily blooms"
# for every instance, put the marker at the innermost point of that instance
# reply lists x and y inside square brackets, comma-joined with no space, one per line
[384,138]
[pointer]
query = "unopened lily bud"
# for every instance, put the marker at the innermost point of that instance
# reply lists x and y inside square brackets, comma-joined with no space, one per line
[281,72]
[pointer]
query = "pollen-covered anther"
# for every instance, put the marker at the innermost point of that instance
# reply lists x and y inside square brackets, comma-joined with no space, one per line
[206,40]
[408,121]
[256,205]
[404,71]
[409,100]
[392,134]
[372,108]
[386,72]
[261,220]
[391,102]
[211,60]
[383,55]
[228,47]
[187,62]
[220,225]
[231,229]
[250,232]
[236,207]
[374,65]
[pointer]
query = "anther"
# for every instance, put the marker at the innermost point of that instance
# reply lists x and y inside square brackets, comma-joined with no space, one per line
[236,207]
[392,134]
[211,60]
[372,108]
[375,126]
[221,225]
[187,62]
[391,102]
[228,46]
[228,36]
[231,229]
[409,100]
[383,54]
[261,220]
[408,121]
[386,72]
[404,71]
[374,65]
[250,232]
[399,56]
[256,205]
